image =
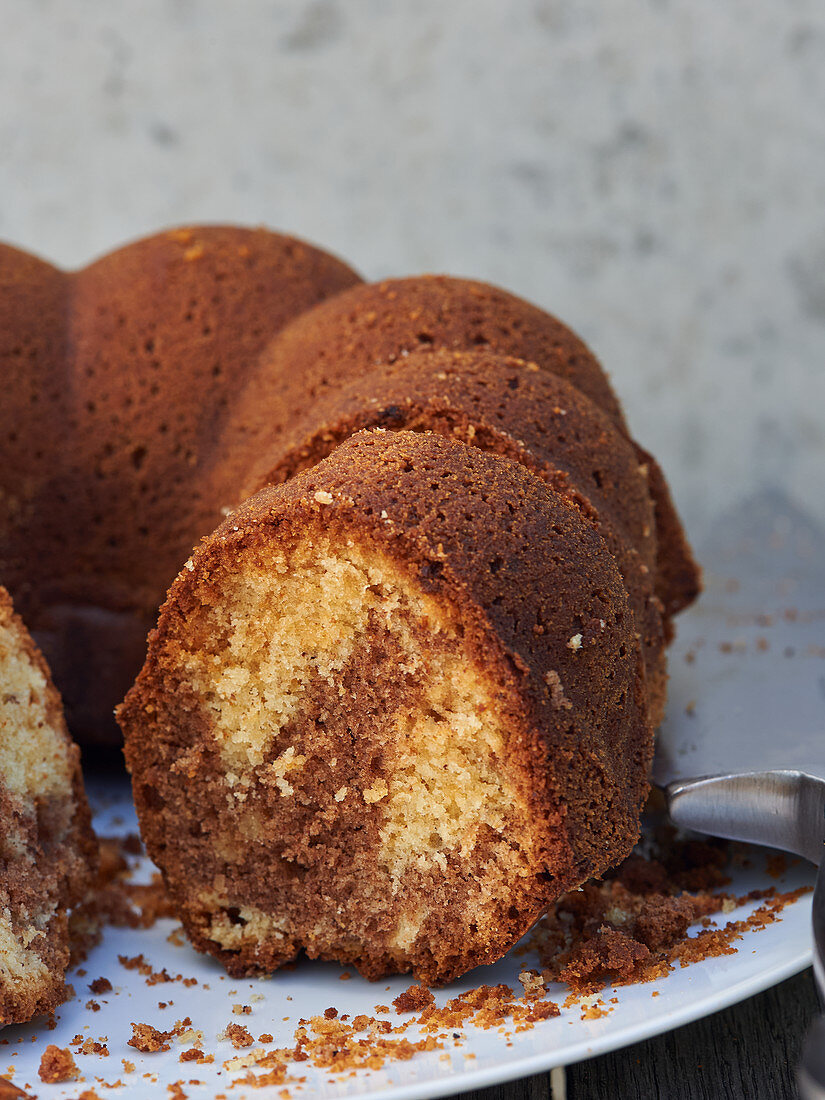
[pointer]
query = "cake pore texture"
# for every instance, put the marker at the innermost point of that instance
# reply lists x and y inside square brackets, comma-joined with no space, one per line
[361,733]
[47,850]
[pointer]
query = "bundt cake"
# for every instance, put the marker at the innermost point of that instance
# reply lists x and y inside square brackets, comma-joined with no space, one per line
[151,391]
[47,850]
[403,696]
[392,708]
[116,382]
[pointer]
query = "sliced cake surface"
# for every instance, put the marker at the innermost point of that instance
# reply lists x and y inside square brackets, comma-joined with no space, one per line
[391,710]
[47,850]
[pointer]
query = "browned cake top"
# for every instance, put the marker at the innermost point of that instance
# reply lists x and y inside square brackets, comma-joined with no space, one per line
[380,322]
[143,389]
[122,374]
[495,402]
[117,379]
[347,336]
[510,407]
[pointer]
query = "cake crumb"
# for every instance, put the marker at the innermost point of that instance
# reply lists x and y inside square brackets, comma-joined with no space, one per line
[237,1035]
[195,1055]
[148,1039]
[413,999]
[557,697]
[57,1065]
[575,642]
[533,984]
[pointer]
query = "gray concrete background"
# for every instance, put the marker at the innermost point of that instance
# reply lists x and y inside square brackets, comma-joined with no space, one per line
[653,171]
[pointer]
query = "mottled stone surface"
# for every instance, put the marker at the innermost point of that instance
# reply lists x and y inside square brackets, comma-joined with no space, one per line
[653,171]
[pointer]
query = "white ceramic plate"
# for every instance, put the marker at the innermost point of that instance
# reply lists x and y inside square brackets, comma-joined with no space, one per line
[483,1058]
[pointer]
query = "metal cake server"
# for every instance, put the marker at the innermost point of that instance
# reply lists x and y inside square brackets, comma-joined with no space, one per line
[741,754]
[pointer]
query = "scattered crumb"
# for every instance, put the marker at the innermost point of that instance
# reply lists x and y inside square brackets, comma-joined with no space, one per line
[557,697]
[237,1035]
[57,1065]
[91,1046]
[634,926]
[413,999]
[533,984]
[148,1039]
[195,1055]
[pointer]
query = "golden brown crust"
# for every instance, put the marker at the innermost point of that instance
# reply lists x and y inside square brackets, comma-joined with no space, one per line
[347,336]
[540,603]
[122,374]
[678,577]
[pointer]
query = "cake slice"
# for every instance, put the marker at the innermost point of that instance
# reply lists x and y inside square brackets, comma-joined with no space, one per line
[392,709]
[47,849]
